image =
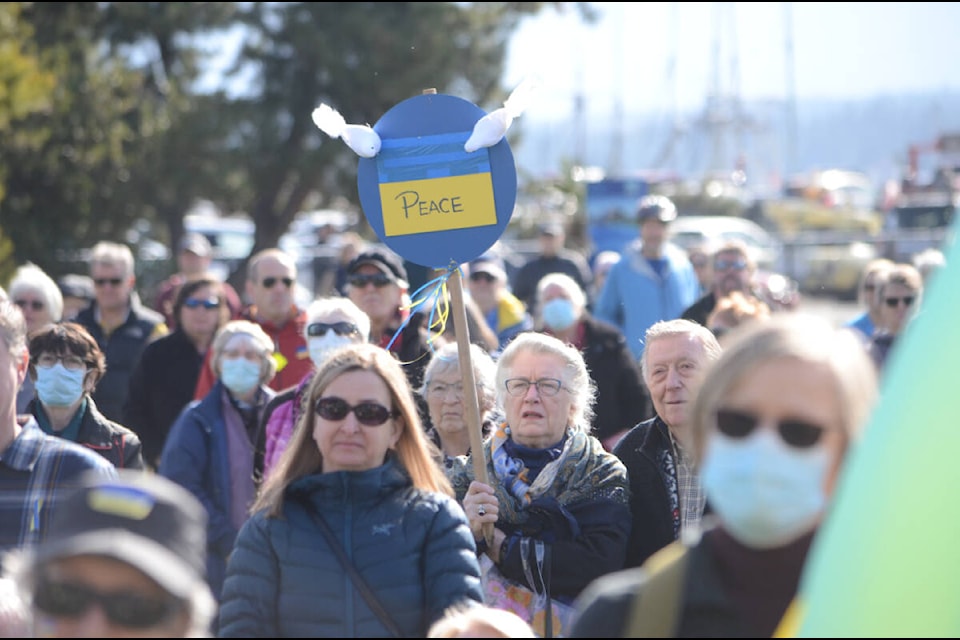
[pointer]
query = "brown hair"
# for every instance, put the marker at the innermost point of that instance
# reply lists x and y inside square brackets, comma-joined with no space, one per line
[69,338]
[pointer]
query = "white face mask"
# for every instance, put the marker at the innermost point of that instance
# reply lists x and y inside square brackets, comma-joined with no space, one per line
[240,375]
[766,492]
[321,346]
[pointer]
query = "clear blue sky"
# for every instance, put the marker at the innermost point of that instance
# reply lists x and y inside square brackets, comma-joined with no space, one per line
[840,50]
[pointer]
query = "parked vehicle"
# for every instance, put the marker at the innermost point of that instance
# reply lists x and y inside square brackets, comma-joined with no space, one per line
[831,200]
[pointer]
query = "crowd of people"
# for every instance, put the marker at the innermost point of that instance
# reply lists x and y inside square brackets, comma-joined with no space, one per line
[648,448]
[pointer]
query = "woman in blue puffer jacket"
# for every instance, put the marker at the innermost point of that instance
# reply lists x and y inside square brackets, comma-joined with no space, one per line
[358,460]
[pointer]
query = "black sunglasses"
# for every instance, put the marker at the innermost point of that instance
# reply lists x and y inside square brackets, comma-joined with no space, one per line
[36,305]
[340,328]
[481,275]
[895,302]
[361,280]
[101,282]
[269,281]
[371,414]
[796,433]
[72,600]
[194,303]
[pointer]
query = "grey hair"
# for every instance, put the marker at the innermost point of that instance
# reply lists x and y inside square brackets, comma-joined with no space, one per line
[681,327]
[113,254]
[565,282]
[260,339]
[30,277]
[577,380]
[447,358]
[794,335]
[324,307]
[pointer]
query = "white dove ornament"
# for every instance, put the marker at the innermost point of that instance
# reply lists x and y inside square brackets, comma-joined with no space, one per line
[361,138]
[490,129]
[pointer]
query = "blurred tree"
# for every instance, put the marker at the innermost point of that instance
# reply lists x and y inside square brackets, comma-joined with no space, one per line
[133,132]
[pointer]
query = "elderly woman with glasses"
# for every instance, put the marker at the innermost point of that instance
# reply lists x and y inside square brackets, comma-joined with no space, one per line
[898,293]
[557,501]
[65,365]
[773,422]
[356,500]
[444,394]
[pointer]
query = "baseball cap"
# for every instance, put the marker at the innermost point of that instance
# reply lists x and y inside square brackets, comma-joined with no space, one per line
[489,265]
[658,207]
[195,243]
[140,518]
[386,261]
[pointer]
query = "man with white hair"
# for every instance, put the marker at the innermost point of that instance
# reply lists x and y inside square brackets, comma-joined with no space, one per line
[666,499]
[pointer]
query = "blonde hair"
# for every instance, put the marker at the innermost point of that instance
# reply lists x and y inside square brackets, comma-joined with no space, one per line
[480,621]
[302,457]
[799,336]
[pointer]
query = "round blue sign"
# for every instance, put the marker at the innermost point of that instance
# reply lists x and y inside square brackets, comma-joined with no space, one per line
[424,195]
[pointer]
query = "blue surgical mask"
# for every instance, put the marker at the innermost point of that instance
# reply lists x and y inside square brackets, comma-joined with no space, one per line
[559,314]
[767,493]
[59,386]
[240,375]
[320,347]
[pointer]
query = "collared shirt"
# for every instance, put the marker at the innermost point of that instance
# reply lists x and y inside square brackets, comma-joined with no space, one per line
[36,471]
[692,499]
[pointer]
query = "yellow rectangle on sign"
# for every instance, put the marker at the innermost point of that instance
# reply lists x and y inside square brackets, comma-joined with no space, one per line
[437,204]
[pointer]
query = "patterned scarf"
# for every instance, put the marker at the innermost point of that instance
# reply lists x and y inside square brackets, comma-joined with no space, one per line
[583,471]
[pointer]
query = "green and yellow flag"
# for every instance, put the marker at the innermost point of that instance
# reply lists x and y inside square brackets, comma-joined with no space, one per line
[887,561]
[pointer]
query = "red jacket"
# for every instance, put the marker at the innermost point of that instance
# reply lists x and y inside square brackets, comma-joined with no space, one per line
[290,348]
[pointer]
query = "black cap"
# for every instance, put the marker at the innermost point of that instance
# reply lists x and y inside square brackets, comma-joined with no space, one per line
[658,207]
[387,261]
[140,518]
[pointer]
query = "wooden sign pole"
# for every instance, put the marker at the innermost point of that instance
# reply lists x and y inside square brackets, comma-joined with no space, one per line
[470,400]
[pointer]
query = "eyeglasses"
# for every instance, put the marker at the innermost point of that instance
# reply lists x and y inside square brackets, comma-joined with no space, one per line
[113,282]
[736,265]
[371,414]
[196,303]
[340,328]
[360,280]
[481,276]
[269,281]
[36,305]
[545,386]
[126,609]
[73,363]
[796,433]
[895,302]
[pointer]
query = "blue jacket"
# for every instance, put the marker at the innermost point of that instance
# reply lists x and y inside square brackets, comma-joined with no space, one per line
[196,457]
[634,297]
[414,549]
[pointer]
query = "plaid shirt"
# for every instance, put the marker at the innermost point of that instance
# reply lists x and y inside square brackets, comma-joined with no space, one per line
[692,499]
[36,470]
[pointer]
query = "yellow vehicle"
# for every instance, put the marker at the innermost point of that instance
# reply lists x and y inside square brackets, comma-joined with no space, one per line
[831,200]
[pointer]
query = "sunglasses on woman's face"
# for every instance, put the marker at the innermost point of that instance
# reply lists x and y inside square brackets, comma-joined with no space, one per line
[123,608]
[195,303]
[796,433]
[315,329]
[370,414]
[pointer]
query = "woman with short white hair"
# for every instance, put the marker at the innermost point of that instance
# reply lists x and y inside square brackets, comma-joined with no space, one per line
[210,448]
